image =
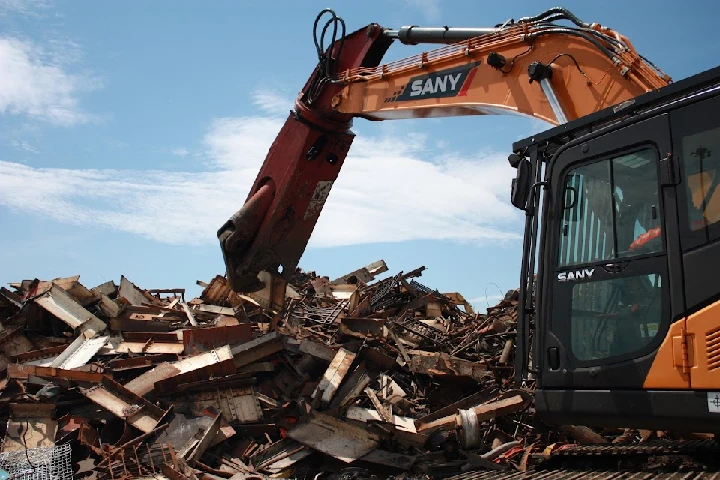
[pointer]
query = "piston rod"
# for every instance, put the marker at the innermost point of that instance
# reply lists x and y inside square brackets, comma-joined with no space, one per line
[552,99]
[413,35]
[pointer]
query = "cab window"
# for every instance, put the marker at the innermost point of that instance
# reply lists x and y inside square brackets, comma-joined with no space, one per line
[611,209]
[701,168]
[615,317]
[696,147]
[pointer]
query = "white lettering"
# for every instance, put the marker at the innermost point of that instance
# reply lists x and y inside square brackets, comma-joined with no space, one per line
[428,88]
[416,88]
[441,84]
[434,85]
[577,275]
[454,81]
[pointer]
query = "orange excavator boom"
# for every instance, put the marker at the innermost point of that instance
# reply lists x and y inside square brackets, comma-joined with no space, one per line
[533,66]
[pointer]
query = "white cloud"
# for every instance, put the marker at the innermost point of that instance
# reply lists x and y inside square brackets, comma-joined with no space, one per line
[180,152]
[389,190]
[429,8]
[23,145]
[22,7]
[35,82]
[272,102]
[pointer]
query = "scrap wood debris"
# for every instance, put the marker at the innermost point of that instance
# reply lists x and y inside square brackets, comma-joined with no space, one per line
[315,378]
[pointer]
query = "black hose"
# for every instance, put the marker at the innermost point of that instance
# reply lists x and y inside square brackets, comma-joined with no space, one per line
[325,57]
[602,36]
[574,61]
[326,64]
[576,33]
[556,13]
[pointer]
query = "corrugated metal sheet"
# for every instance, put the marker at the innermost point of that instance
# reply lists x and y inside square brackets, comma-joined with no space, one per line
[79,352]
[62,305]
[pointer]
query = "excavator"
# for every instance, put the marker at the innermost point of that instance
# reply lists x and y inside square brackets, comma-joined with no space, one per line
[619,317]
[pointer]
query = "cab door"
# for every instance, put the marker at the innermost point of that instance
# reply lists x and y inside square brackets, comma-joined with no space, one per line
[614,293]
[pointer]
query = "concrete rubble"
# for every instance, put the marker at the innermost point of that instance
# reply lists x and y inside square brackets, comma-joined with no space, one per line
[313,378]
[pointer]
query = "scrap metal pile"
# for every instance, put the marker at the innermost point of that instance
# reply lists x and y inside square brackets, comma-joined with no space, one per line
[351,377]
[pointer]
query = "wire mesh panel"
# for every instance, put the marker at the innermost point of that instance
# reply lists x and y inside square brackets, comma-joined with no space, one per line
[45,463]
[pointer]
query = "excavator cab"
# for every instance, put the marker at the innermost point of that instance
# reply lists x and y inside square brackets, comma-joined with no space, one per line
[623,217]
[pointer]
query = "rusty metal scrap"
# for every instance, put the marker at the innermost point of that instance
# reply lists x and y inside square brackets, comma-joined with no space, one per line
[296,379]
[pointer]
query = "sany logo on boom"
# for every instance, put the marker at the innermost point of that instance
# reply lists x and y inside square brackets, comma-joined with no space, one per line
[446,83]
[434,85]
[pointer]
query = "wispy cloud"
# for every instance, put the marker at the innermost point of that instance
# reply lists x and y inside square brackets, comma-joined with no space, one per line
[24,145]
[272,102]
[35,82]
[429,8]
[390,190]
[23,7]
[180,152]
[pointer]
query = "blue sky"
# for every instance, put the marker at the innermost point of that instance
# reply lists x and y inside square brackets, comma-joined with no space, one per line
[129,131]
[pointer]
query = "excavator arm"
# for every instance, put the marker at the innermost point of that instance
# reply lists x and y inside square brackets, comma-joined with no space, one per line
[533,66]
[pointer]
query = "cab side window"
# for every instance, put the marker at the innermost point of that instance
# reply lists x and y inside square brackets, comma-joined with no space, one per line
[696,130]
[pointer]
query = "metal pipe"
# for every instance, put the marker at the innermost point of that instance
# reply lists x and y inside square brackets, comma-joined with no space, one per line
[554,103]
[413,35]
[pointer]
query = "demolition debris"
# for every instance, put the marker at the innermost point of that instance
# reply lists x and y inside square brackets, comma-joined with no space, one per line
[354,376]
